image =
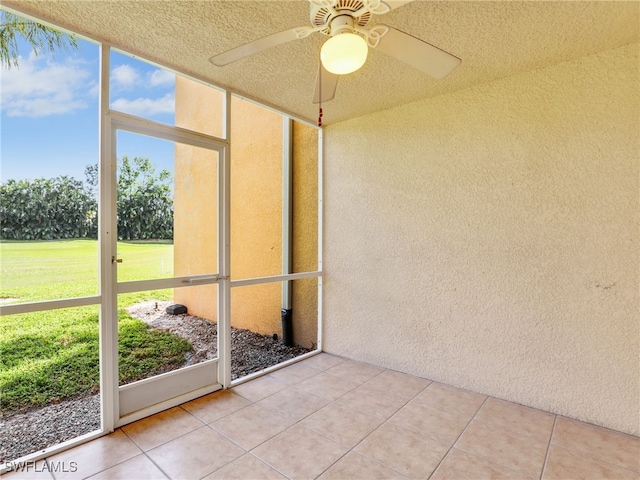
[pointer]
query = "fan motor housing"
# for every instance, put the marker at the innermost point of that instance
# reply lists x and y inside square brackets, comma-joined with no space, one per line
[322,16]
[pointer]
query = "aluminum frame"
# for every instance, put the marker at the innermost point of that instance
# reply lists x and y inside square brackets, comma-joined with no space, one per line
[109,288]
[151,395]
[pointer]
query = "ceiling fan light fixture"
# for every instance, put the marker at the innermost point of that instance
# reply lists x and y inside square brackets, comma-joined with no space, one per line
[344,53]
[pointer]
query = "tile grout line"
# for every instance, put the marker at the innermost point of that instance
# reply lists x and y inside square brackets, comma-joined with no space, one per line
[144,453]
[269,465]
[295,385]
[458,437]
[270,375]
[298,423]
[156,465]
[586,456]
[246,451]
[115,464]
[240,446]
[204,424]
[332,401]
[384,421]
[226,414]
[546,457]
[255,403]
[250,451]
[267,396]
[509,430]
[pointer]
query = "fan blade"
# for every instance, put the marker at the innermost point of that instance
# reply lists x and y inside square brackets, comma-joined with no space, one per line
[418,53]
[378,7]
[257,46]
[326,84]
[393,4]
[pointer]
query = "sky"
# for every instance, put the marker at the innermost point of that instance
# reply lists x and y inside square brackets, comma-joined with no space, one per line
[49,111]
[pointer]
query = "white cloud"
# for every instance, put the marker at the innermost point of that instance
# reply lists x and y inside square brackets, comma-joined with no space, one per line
[146,107]
[40,88]
[94,91]
[162,78]
[124,76]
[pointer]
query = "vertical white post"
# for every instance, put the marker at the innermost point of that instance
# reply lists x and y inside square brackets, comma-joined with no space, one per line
[287,207]
[320,234]
[224,259]
[107,237]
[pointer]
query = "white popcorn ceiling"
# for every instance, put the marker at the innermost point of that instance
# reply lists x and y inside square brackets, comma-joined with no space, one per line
[493,39]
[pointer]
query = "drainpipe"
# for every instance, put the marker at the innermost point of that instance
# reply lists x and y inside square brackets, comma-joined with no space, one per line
[287,221]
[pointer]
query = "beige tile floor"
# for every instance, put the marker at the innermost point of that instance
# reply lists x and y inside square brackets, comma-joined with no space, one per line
[331,418]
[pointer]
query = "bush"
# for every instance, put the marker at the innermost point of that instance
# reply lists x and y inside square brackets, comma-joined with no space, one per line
[63,207]
[47,209]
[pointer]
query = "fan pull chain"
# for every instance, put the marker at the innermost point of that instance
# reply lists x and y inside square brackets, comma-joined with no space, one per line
[320,96]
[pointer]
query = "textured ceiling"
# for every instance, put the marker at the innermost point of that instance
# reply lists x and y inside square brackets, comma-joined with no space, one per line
[494,40]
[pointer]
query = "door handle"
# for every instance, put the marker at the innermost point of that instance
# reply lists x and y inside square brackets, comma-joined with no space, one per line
[197,280]
[116,260]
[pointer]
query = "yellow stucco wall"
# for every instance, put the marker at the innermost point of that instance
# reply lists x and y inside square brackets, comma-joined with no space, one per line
[489,239]
[304,293]
[256,211]
[256,215]
[199,108]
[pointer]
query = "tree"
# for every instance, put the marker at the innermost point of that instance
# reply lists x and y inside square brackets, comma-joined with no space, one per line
[91,175]
[40,37]
[145,199]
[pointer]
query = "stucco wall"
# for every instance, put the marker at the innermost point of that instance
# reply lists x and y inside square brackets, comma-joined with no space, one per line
[304,293]
[199,108]
[256,215]
[256,206]
[489,239]
[196,195]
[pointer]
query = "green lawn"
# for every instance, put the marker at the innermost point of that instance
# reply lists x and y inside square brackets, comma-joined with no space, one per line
[46,270]
[53,355]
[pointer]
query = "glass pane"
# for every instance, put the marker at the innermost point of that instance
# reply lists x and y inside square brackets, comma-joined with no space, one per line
[139,88]
[151,340]
[144,90]
[256,191]
[47,270]
[167,208]
[49,382]
[304,249]
[48,198]
[259,331]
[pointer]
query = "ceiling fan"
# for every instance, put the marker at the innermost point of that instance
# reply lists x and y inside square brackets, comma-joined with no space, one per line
[348,23]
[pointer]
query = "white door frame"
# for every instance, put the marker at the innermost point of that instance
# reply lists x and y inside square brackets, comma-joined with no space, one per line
[127,403]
